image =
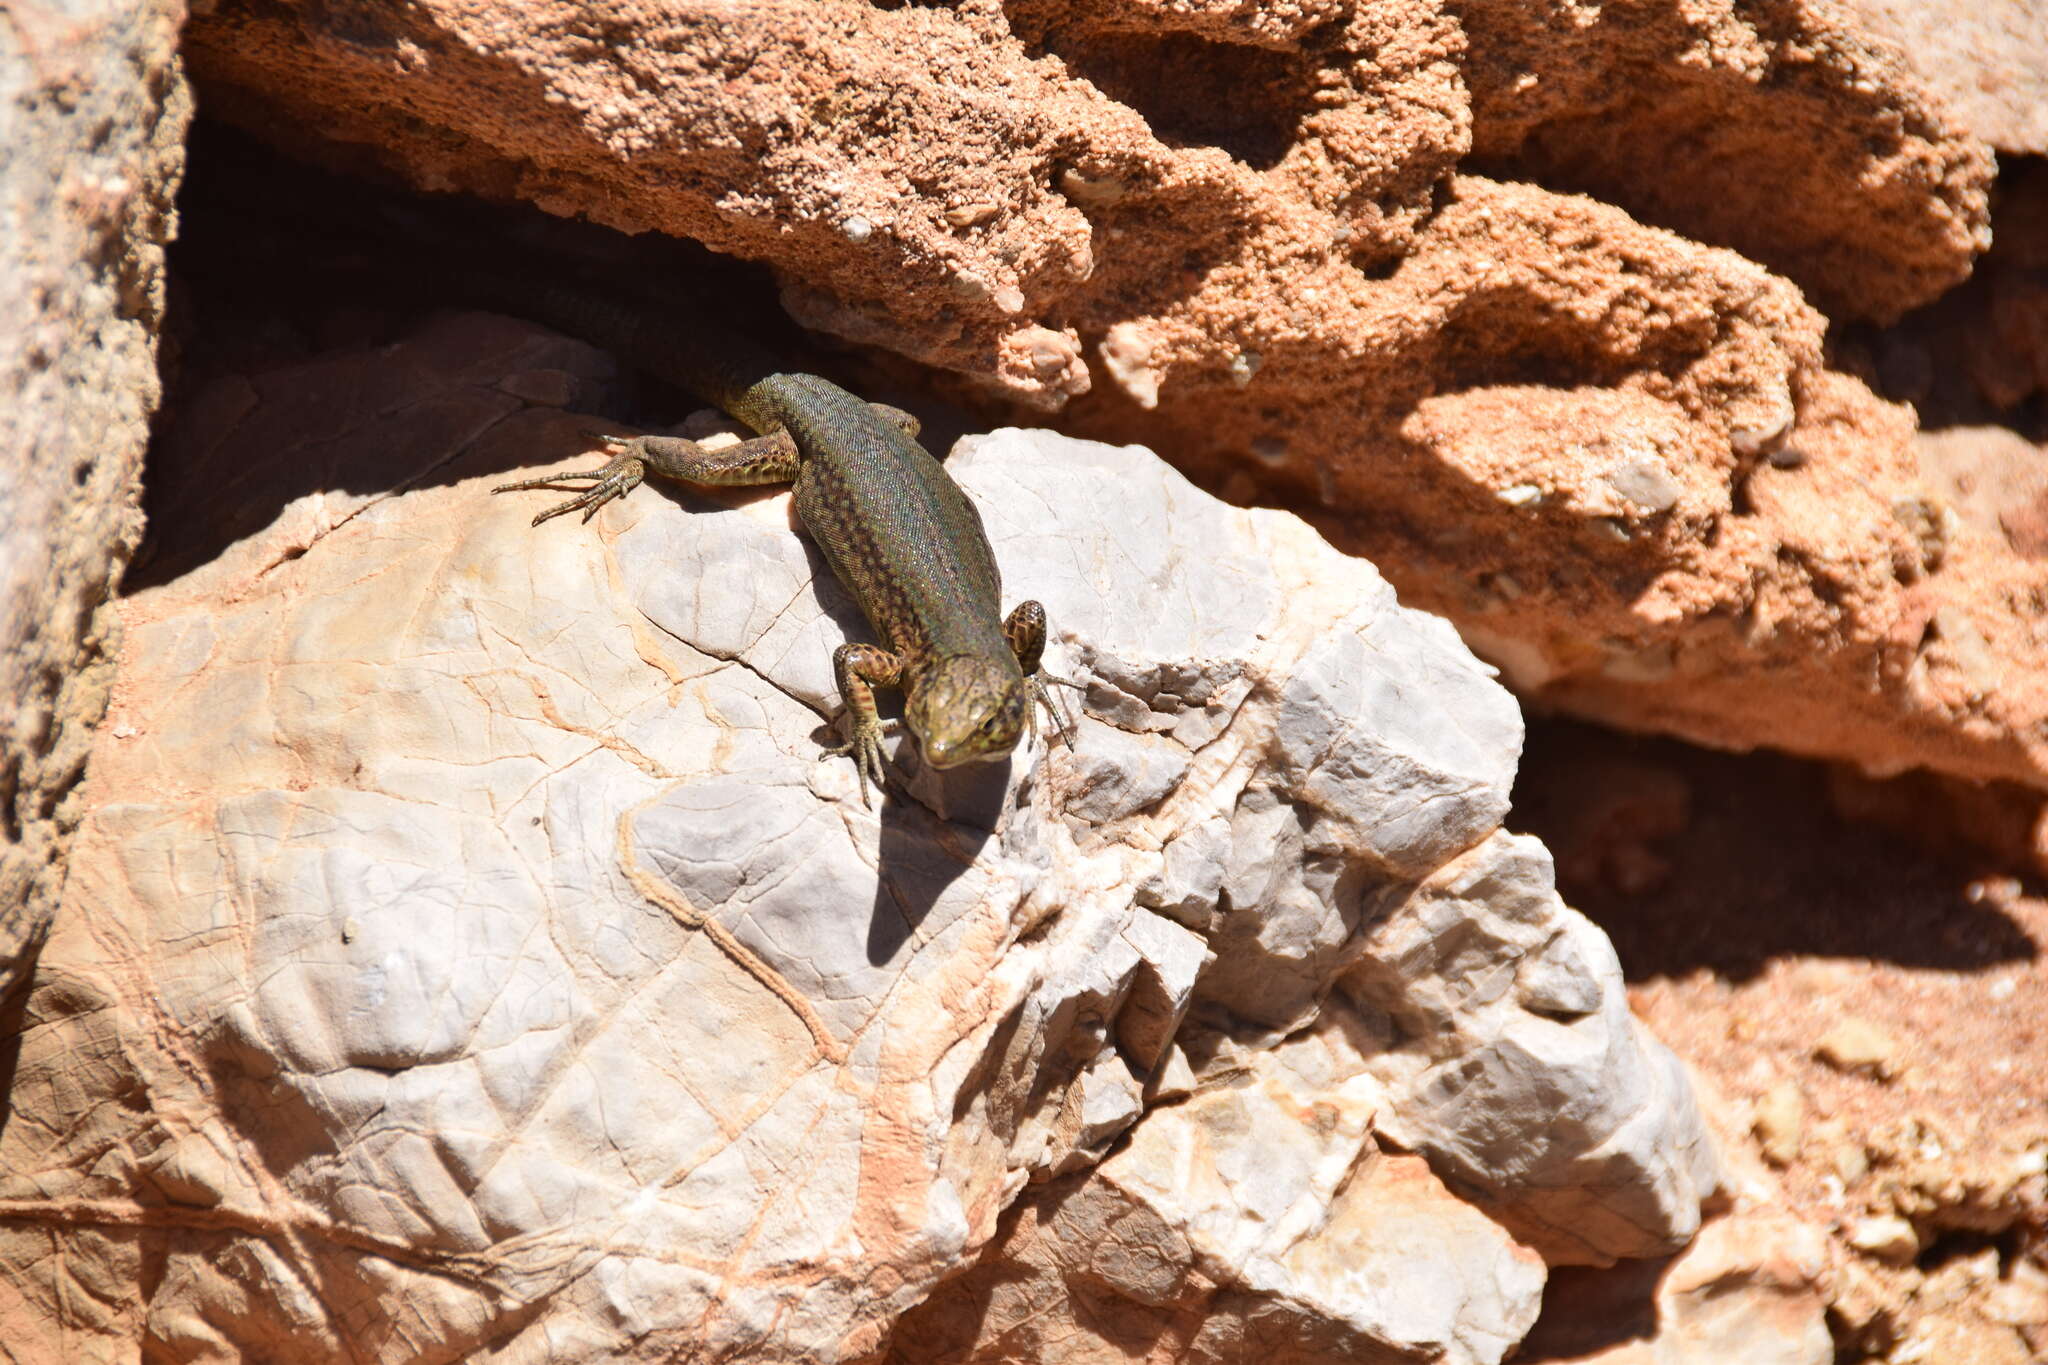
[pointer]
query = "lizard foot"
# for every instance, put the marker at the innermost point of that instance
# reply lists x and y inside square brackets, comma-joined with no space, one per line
[1060,720]
[866,750]
[616,479]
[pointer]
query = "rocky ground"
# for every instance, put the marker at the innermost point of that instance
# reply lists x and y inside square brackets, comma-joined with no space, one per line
[1691,360]
[1857,964]
[1867,1005]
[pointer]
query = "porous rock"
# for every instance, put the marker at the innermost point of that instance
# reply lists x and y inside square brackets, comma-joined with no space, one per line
[468,946]
[1994,479]
[1580,425]
[1988,60]
[93,111]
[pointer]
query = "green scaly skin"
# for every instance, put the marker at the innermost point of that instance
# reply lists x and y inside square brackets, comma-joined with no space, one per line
[894,526]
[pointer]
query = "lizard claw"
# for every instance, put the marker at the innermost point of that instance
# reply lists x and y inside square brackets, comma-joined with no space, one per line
[866,750]
[1060,720]
[616,479]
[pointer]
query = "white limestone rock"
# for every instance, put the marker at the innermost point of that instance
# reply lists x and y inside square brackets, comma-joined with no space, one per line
[1257,1217]
[467,946]
[1517,1068]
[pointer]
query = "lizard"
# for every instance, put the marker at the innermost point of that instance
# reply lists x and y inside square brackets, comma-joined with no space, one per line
[896,529]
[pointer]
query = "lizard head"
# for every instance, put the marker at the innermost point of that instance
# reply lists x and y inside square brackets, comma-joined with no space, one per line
[966,709]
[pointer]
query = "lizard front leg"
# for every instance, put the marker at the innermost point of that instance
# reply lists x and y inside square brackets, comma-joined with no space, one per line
[764,459]
[856,667]
[1024,628]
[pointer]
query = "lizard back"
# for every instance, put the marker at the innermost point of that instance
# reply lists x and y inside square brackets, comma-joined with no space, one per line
[896,529]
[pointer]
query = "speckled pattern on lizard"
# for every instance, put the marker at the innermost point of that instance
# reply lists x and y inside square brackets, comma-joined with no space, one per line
[894,526]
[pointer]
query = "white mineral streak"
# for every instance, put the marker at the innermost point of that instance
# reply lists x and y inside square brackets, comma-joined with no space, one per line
[467,948]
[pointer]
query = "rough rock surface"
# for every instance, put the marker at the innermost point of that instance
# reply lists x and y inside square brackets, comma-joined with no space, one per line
[1974,366]
[1348,1254]
[1987,59]
[1750,1289]
[1609,452]
[1700,96]
[1475,1081]
[1979,354]
[468,947]
[1869,1012]
[1753,1287]
[1995,479]
[92,116]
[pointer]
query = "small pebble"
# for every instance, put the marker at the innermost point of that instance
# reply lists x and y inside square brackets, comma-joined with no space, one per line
[1780,1121]
[1861,1299]
[968,215]
[1092,190]
[1270,450]
[1856,1044]
[1887,1237]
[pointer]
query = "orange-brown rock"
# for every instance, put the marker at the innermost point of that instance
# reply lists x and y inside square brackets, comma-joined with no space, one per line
[1672,111]
[1252,236]
[1987,58]
[1781,932]
[93,113]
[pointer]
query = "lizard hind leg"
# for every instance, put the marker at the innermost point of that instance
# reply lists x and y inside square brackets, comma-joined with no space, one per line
[614,480]
[1024,628]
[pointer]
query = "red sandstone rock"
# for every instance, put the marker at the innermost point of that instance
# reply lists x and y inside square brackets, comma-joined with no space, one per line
[1249,236]
[1988,59]
[94,121]
[1294,245]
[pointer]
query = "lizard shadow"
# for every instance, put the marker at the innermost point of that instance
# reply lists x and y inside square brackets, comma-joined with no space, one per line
[922,853]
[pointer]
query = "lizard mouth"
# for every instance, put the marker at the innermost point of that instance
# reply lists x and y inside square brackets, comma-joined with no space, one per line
[949,756]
